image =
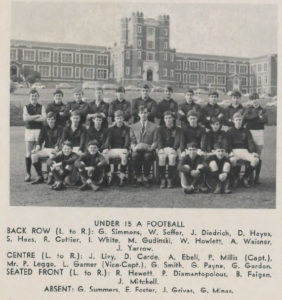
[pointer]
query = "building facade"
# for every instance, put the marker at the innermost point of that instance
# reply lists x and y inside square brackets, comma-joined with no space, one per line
[143,54]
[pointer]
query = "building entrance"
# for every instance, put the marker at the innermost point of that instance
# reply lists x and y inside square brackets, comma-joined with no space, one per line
[149,75]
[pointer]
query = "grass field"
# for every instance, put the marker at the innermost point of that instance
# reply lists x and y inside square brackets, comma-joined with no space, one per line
[23,194]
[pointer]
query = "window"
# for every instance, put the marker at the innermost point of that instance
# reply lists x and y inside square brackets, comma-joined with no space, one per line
[88,59]
[203,66]
[150,45]
[252,81]
[232,68]
[244,81]
[184,77]
[29,67]
[243,69]
[193,78]
[66,58]
[66,72]
[127,54]
[102,60]
[102,74]
[171,57]
[221,80]
[88,73]
[139,29]
[265,67]
[193,66]
[127,70]
[13,54]
[44,56]
[29,55]
[221,68]
[139,71]
[56,57]
[165,45]
[265,79]
[77,72]
[150,56]
[165,72]
[184,65]
[259,80]
[259,67]
[139,43]
[178,77]
[150,30]
[77,58]
[210,79]
[171,73]
[44,71]
[178,65]
[165,56]
[203,79]
[210,67]
[166,31]
[139,55]
[255,68]
[55,71]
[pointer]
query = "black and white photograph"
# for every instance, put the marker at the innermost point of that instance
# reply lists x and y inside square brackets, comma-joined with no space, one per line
[143,105]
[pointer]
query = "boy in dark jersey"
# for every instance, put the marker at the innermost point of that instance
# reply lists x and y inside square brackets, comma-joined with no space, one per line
[58,108]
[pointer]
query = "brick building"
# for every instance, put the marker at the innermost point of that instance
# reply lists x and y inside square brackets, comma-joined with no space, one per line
[144,54]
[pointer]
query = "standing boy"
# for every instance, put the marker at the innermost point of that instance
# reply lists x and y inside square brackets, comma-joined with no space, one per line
[58,108]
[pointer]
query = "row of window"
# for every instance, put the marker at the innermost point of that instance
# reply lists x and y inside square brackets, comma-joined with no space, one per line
[262,67]
[151,31]
[209,67]
[150,55]
[66,57]
[69,72]
[151,44]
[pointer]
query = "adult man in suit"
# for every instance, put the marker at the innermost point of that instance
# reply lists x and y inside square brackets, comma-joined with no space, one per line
[143,143]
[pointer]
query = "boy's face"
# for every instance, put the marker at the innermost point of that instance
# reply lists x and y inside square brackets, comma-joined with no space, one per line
[119,121]
[189,97]
[255,103]
[212,99]
[168,121]
[192,152]
[167,94]
[98,122]
[235,100]
[238,122]
[215,126]
[120,96]
[193,121]
[33,98]
[67,150]
[143,115]
[99,94]
[144,93]
[92,149]
[75,120]
[58,98]
[220,153]
[77,97]
[51,122]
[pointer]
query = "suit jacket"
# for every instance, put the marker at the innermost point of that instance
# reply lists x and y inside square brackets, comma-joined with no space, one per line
[149,135]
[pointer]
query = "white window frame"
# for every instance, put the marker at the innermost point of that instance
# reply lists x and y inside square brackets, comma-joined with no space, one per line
[86,69]
[61,70]
[259,68]
[57,68]
[185,63]
[245,66]
[212,64]
[139,43]
[165,56]
[171,74]
[79,58]
[202,66]
[259,80]
[99,63]
[139,29]
[166,31]
[148,54]
[245,79]
[86,55]
[127,71]
[153,31]
[44,51]
[34,54]
[265,67]
[193,75]
[16,54]
[234,66]
[165,44]
[31,67]
[57,60]
[139,71]
[153,45]
[178,77]
[180,62]
[165,72]
[44,66]
[210,76]
[220,77]
[193,62]
[67,53]
[171,57]
[221,65]
[139,54]
[185,78]
[265,79]
[104,70]
[202,79]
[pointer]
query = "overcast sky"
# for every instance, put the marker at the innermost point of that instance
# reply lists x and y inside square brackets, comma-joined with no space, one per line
[221,29]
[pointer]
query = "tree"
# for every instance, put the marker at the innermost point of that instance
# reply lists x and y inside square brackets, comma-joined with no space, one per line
[30,76]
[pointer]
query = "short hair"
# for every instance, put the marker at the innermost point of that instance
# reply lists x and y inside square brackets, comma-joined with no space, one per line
[58,91]
[192,145]
[99,88]
[220,145]
[192,113]
[33,91]
[214,93]
[75,113]
[237,115]
[169,88]
[119,113]
[98,116]
[168,113]
[141,108]
[254,96]
[190,91]
[67,143]
[145,86]
[78,91]
[120,89]
[51,115]
[214,120]
[92,143]
[236,94]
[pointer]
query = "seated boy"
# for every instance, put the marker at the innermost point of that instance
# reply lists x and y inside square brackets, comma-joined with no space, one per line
[117,145]
[91,167]
[168,141]
[219,169]
[61,165]
[242,147]
[192,170]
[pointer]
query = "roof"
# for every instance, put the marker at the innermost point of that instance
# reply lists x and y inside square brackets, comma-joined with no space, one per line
[211,57]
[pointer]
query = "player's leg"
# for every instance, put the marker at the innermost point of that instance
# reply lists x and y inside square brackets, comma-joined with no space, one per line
[172,155]
[162,157]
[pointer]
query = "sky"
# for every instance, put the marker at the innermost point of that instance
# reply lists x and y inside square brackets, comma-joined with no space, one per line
[221,29]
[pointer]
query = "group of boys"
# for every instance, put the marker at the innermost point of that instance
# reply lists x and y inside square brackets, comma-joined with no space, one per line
[86,138]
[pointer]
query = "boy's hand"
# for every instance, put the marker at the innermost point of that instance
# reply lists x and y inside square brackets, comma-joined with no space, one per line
[222,176]
[68,167]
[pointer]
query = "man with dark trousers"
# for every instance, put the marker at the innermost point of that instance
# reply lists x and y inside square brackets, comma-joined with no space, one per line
[77,105]
[120,104]
[168,142]
[188,105]
[47,145]
[145,101]
[58,107]
[167,104]
[143,144]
